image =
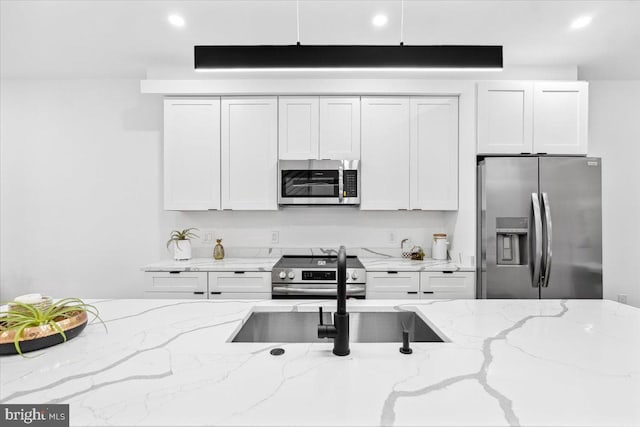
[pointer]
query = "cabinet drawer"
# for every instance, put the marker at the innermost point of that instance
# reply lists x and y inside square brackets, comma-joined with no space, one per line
[393,295]
[393,281]
[240,281]
[239,295]
[181,281]
[176,295]
[442,285]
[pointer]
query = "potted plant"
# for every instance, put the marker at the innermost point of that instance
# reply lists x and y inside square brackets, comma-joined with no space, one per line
[28,327]
[181,244]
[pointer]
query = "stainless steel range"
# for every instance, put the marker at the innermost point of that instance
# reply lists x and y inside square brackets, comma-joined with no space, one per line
[299,276]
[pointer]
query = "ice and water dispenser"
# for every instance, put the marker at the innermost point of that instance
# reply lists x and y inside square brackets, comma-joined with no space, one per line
[511,240]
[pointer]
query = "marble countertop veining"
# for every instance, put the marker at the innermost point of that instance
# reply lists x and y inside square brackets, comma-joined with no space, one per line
[210,264]
[404,264]
[506,363]
[266,264]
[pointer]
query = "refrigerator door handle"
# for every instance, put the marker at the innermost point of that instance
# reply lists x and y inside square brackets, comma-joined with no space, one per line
[537,249]
[546,207]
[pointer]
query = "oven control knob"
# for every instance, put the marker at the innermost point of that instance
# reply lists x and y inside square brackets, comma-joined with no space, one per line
[282,275]
[292,275]
[354,275]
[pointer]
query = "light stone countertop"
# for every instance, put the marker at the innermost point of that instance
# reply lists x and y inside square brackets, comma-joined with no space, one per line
[266,264]
[506,362]
[210,264]
[404,264]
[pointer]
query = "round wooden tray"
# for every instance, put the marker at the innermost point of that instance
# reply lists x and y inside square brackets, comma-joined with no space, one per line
[39,337]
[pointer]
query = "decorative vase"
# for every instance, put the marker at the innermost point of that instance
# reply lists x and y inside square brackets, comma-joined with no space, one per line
[218,250]
[181,250]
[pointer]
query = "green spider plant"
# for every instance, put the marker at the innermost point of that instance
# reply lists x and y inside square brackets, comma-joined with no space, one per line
[178,235]
[22,316]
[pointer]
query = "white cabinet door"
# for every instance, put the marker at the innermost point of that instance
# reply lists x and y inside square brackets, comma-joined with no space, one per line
[340,128]
[434,153]
[298,127]
[560,119]
[392,285]
[178,285]
[191,153]
[447,285]
[505,113]
[249,153]
[385,153]
[239,282]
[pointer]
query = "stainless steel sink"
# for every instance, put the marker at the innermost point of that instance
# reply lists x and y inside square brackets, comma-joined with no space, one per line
[363,327]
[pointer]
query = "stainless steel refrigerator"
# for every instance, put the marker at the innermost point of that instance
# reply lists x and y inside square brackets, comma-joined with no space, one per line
[539,227]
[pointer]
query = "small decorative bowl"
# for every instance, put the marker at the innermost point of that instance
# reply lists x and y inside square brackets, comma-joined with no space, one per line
[39,337]
[44,303]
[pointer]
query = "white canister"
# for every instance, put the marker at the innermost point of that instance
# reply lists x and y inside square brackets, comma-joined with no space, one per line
[439,246]
[181,250]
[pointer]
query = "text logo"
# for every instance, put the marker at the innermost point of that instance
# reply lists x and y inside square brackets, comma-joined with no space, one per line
[35,415]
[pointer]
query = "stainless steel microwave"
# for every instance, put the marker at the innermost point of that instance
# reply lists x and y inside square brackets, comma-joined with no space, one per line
[319,182]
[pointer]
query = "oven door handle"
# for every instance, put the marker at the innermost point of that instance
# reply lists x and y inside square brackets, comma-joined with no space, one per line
[285,290]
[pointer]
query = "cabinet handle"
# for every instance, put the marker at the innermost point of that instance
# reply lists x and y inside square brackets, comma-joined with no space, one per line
[392,272]
[198,293]
[174,272]
[412,293]
[216,293]
[427,292]
[238,272]
[447,272]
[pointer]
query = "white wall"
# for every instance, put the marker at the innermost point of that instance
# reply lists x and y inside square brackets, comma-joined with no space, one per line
[80,195]
[614,135]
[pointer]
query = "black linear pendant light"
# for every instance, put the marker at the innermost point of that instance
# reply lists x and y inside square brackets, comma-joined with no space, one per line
[348,57]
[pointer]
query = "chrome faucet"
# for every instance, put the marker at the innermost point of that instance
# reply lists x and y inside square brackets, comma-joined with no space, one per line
[339,330]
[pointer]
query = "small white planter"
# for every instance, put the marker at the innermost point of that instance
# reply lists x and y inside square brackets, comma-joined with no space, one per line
[182,250]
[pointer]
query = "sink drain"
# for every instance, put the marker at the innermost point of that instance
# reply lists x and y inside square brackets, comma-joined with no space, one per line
[277,352]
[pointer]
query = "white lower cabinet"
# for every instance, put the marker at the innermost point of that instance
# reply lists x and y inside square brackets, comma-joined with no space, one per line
[424,285]
[203,285]
[447,285]
[240,285]
[175,285]
[393,285]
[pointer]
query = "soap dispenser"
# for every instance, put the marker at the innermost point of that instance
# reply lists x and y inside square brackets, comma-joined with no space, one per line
[218,250]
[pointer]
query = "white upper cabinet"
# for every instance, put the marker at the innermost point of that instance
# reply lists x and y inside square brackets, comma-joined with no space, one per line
[191,153]
[249,153]
[532,117]
[560,119]
[434,153]
[312,128]
[385,153]
[339,128]
[298,127]
[505,117]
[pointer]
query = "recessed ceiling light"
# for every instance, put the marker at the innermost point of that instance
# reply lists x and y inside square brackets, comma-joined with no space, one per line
[379,20]
[581,22]
[176,20]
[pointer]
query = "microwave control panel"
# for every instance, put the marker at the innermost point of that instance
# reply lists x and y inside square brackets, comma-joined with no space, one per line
[350,188]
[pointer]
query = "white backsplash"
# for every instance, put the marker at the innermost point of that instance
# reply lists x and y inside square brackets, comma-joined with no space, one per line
[301,231]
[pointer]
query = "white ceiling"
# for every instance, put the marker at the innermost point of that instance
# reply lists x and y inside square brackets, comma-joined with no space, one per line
[117,38]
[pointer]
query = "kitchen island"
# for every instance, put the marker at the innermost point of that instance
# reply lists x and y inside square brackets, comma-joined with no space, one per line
[504,362]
